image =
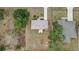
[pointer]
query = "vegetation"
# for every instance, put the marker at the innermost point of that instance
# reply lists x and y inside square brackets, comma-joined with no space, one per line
[41,14]
[1,14]
[56,37]
[2,48]
[35,17]
[21,17]
[18,47]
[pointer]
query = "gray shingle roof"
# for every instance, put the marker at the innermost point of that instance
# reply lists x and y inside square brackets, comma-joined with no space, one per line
[69,29]
[39,24]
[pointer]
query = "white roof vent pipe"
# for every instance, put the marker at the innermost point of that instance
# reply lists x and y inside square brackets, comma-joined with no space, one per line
[70,13]
[45,13]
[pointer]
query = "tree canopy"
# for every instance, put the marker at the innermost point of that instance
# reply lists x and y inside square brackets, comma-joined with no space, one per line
[21,17]
[56,36]
[1,14]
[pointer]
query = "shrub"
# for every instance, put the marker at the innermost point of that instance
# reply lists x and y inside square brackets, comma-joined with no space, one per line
[35,17]
[2,48]
[1,14]
[21,17]
[56,35]
[18,47]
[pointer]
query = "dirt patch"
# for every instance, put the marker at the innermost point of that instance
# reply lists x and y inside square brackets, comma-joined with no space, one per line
[34,40]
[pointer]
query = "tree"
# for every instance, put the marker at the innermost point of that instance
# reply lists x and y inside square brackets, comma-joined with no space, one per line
[1,14]
[56,36]
[21,17]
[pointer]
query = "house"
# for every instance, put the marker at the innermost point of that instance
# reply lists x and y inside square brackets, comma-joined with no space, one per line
[39,24]
[69,29]
[69,25]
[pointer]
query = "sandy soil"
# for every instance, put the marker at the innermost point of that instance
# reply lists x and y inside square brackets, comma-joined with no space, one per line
[34,40]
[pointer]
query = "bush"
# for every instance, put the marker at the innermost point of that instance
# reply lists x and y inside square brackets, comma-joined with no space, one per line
[18,47]
[56,35]
[21,17]
[2,48]
[1,14]
[35,17]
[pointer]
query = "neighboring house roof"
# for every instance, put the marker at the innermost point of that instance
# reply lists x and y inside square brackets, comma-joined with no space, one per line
[39,24]
[69,29]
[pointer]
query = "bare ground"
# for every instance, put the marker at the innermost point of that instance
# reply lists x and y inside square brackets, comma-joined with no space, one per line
[34,40]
